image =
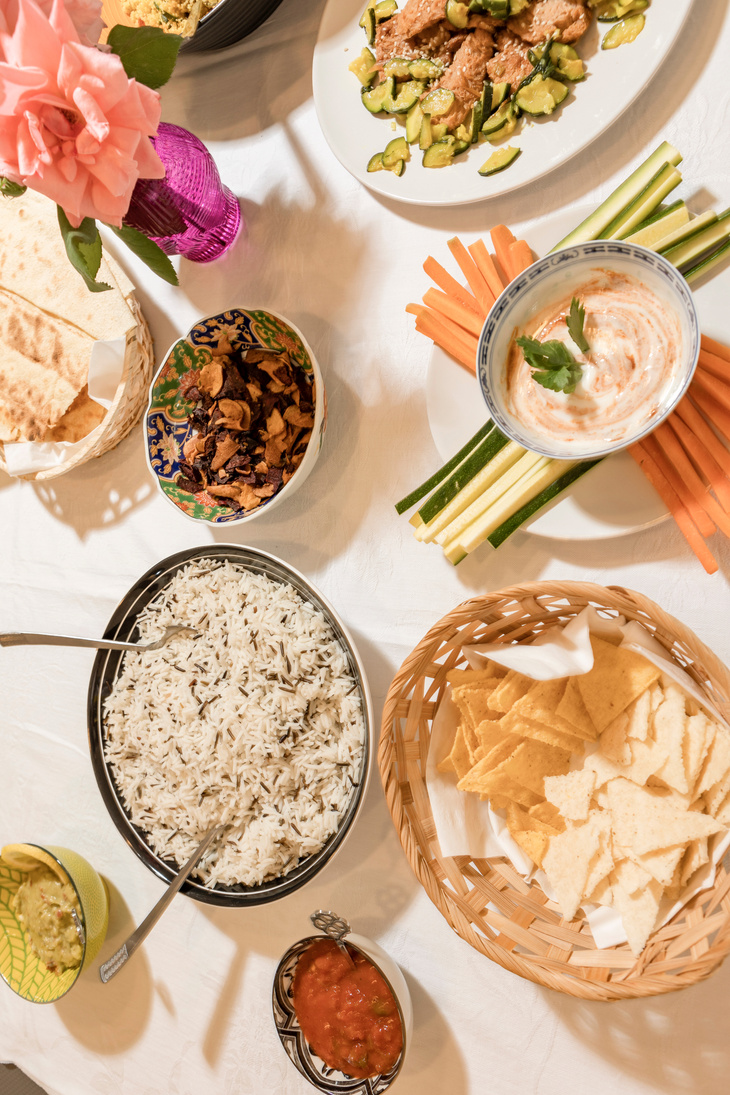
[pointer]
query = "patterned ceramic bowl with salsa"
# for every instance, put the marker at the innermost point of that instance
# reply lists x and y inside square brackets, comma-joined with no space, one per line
[176,395]
[373,1039]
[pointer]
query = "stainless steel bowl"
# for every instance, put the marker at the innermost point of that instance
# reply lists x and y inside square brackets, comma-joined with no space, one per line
[123,625]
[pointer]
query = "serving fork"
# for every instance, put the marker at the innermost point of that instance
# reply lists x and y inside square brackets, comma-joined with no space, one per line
[23,638]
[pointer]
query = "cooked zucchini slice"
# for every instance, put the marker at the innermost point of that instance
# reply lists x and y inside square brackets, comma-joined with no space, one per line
[624,32]
[397,67]
[374,98]
[363,68]
[375,163]
[414,122]
[567,62]
[499,159]
[516,6]
[385,10]
[398,168]
[395,151]
[500,9]
[469,130]
[499,94]
[425,137]
[610,11]
[541,95]
[437,102]
[423,68]
[499,119]
[408,95]
[457,13]
[440,154]
[439,130]
[367,22]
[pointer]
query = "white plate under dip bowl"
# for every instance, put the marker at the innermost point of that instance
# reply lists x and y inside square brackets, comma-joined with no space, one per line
[604,265]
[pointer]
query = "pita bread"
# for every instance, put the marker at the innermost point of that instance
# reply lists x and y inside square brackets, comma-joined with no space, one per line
[83,416]
[43,366]
[34,266]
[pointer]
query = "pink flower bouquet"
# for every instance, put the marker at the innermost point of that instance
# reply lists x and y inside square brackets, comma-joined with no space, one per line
[75,123]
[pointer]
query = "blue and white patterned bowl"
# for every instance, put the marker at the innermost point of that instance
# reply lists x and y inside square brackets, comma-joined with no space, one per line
[330,1081]
[550,277]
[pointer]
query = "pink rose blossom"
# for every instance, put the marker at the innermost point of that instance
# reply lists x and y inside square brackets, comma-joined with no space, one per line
[73,126]
[85,16]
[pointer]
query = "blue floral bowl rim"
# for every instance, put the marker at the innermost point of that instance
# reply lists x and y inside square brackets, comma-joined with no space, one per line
[540,270]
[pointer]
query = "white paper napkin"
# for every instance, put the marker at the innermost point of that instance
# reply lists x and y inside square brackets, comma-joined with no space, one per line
[465,825]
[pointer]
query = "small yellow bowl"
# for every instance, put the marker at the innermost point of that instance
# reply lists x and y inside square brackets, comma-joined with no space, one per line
[20,968]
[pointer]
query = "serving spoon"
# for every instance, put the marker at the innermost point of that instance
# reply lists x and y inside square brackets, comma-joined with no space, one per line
[108,969]
[23,638]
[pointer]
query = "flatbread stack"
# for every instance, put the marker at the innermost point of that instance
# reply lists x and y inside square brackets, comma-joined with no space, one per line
[613,782]
[48,324]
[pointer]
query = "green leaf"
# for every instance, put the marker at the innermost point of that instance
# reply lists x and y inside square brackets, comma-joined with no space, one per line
[553,364]
[10,189]
[148,54]
[147,250]
[83,247]
[575,322]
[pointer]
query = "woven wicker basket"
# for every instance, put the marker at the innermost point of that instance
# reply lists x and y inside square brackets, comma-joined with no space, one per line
[129,401]
[487,902]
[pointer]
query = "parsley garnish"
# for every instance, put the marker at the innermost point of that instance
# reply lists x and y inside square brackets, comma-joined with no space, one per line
[575,322]
[553,365]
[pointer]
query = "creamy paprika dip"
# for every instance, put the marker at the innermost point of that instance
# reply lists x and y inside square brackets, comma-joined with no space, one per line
[347,1013]
[634,358]
[43,905]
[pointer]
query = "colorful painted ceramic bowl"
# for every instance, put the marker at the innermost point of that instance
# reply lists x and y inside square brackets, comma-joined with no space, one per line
[20,968]
[166,420]
[331,1081]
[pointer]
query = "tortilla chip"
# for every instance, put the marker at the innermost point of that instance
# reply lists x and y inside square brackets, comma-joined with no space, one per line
[631,876]
[459,756]
[532,761]
[669,725]
[662,863]
[571,793]
[547,813]
[617,678]
[517,723]
[602,862]
[695,856]
[647,757]
[614,740]
[717,763]
[509,691]
[457,678]
[602,895]
[567,862]
[639,715]
[638,911]
[697,734]
[534,844]
[644,821]
[539,705]
[573,709]
[517,819]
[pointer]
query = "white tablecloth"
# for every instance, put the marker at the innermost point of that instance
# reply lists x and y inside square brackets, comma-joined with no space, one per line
[192,1013]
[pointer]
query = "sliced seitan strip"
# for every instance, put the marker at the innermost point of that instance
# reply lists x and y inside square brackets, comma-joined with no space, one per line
[391,42]
[564,19]
[510,63]
[466,75]
[418,15]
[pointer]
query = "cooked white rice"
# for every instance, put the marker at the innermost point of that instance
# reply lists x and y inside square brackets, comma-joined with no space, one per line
[258,723]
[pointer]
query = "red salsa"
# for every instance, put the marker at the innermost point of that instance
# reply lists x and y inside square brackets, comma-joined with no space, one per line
[348,1015]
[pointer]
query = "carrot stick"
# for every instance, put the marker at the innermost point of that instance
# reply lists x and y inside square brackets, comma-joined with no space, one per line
[715,414]
[469,269]
[520,257]
[676,454]
[485,264]
[718,366]
[502,239]
[431,328]
[695,422]
[452,309]
[678,484]
[674,504]
[451,286]
[702,458]
[451,331]
[708,383]
[714,347]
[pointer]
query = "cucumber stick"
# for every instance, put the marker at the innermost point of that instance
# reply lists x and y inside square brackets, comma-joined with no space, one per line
[478,459]
[528,463]
[531,508]
[542,475]
[665,226]
[661,211]
[643,204]
[696,245]
[501,463]
[685,231]
[708,264]
[594,225]
[442,473]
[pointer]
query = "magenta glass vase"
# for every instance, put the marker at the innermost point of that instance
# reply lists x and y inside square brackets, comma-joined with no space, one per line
[189,212]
